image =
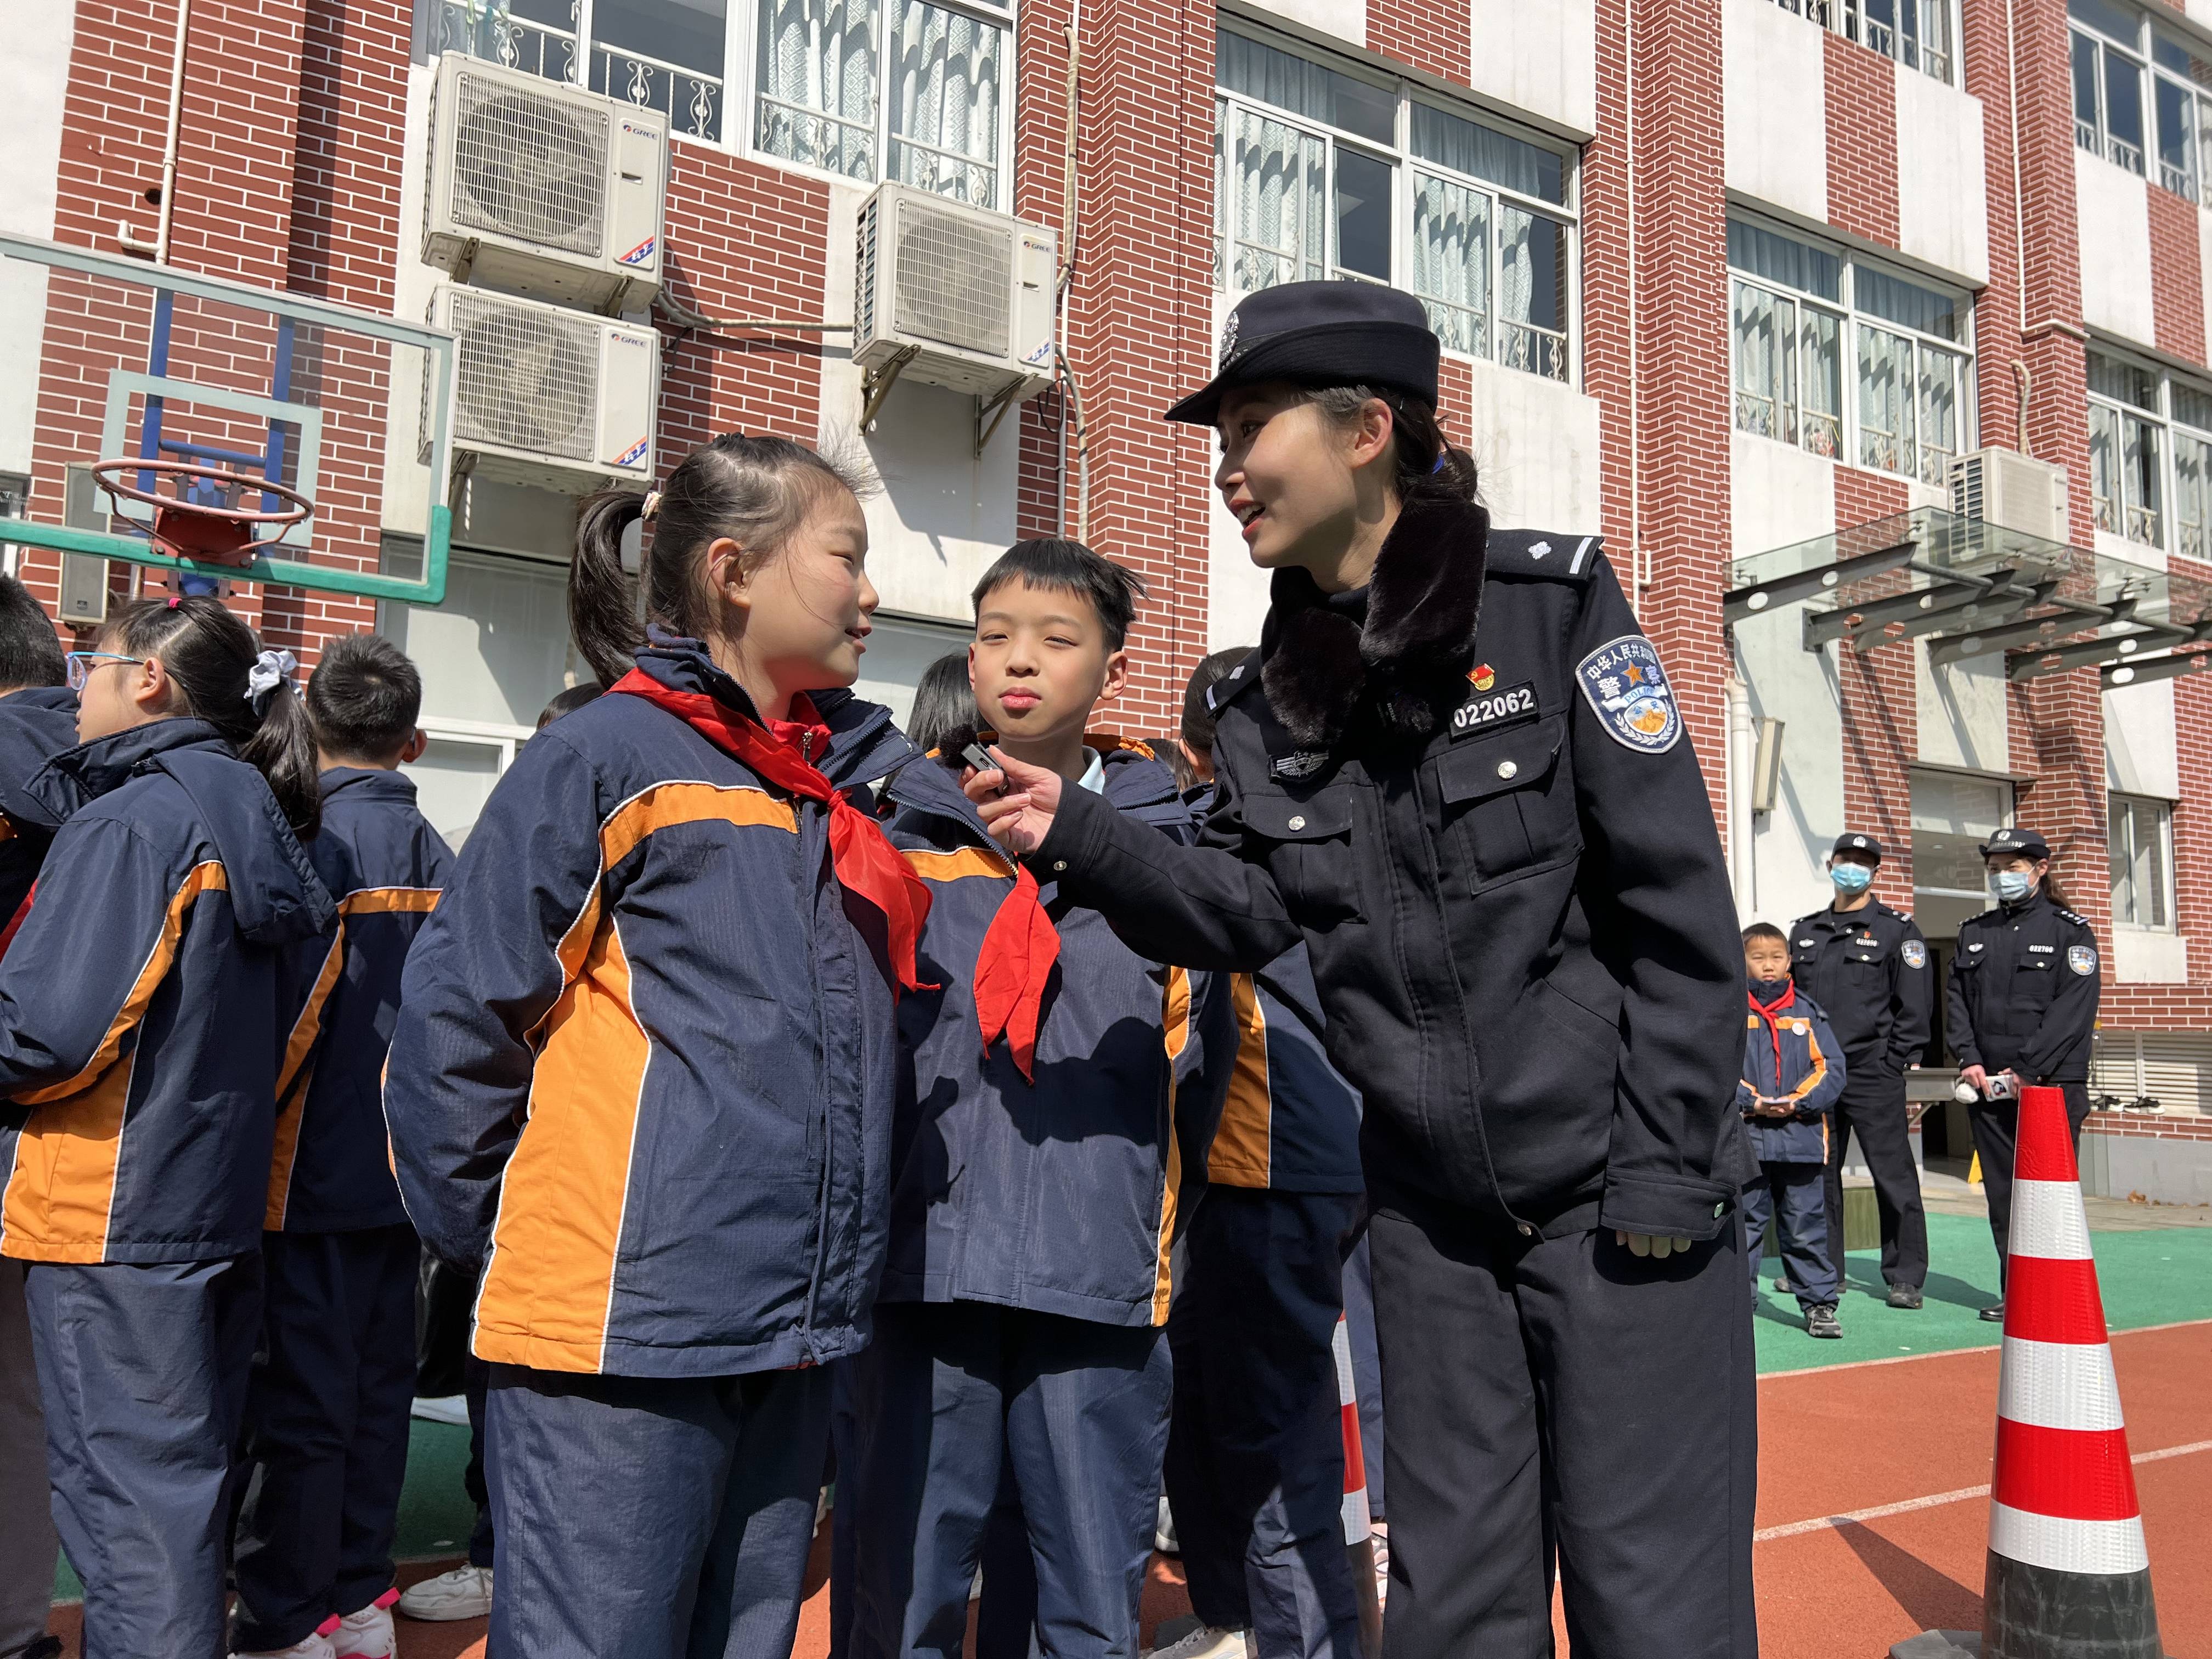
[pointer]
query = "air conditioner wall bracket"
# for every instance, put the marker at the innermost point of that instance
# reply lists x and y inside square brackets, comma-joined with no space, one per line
[1007,397]
[876,384]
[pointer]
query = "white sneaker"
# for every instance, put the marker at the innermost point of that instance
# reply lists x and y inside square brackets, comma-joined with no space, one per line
[1206,1643]
[464,1593]
[317,1646]
[368,1633]
[442,1408]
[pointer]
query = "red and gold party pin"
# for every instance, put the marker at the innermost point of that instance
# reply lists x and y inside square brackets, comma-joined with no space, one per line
[1482,676]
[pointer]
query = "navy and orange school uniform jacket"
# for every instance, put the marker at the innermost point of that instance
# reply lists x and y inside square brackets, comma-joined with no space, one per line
[1059,1196]
[36,724]
[384,865]
[645,1054]
[1789,1053]
[143,1011]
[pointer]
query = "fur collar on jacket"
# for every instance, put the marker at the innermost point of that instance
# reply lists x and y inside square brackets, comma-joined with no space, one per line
[1400,672]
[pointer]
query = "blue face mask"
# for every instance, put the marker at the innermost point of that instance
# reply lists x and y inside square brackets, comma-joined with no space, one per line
[1852,877]
[2011,886]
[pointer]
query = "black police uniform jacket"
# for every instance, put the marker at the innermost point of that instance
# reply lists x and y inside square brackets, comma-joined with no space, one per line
[2023,991]
[1868,969]
[1468,789]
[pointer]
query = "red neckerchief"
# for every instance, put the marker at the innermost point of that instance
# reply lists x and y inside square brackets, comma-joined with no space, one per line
[15,922]
[1766,1011]
[1019,949]
[865,862]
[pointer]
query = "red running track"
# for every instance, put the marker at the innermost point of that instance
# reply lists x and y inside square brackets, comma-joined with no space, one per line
[1888,1436]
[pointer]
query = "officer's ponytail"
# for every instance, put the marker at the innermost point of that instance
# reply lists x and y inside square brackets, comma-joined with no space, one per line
[1430,468]
[224,676]
[755,491]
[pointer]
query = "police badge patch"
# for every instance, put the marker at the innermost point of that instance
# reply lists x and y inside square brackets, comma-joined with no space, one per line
[2081,959]
[1914,952]
[1627,687]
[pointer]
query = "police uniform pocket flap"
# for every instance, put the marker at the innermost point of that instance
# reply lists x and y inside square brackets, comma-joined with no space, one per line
[1317,817]
[1514,759]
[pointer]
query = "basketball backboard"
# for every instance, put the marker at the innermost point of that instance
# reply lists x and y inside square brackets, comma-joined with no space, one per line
[239,403]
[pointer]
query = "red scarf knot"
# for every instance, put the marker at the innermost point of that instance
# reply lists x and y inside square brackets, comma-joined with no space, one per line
[1019,949]
[1767,1011]
[865,862]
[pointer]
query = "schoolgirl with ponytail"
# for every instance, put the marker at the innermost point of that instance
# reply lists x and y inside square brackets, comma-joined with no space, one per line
[146,1011]
[643,1073]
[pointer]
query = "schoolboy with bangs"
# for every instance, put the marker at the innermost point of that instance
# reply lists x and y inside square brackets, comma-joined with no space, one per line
[1034,1170]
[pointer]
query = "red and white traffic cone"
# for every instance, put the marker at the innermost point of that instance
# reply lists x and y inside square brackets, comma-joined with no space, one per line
[2068,1576]
[1358,1523]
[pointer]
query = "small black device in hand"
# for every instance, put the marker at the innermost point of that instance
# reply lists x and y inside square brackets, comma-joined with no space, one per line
[980,757]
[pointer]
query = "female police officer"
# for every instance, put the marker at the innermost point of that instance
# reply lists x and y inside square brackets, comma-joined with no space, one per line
[1457,768]
[2023,1002]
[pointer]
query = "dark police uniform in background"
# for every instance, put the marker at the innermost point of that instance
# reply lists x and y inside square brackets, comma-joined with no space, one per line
[1465,787]
[1868,969]
[2023,999]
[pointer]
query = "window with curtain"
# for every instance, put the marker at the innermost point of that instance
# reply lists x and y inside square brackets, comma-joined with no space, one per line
[1915,32]
[1320,171]
[2181,97]
[816,95]
[2150,442]
[2106,43]
[2140,832]
[944,102]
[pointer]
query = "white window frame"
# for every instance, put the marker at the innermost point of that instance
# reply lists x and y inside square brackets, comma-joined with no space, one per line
[1913,50]
[2133,810]
[1850,448]
[2097,138]
[2159,524]
[523,44]
[1562,363]
[2197,106]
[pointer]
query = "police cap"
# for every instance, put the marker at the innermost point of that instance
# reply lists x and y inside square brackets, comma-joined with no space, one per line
[2028,843]
[1321,334]
[1852,842]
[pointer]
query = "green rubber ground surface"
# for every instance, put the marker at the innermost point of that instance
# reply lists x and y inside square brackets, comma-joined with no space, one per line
[2152,1277]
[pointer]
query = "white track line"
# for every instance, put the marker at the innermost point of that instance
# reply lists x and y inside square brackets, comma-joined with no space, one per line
[1952,1353]
[1796,1529]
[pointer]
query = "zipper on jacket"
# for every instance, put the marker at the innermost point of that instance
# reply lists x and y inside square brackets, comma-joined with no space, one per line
[811,900]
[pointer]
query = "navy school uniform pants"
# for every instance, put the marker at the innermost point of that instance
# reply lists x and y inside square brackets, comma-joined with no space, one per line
[652,1517]
[1873,1107]
[1563,1397]
[1795,1196]
[1256,1449]
[142,1372]
[326,1427]
[949,1395]
[1996,1126]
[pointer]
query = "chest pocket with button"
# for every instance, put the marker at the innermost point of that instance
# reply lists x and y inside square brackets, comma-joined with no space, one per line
[1508,803]
[1310,857]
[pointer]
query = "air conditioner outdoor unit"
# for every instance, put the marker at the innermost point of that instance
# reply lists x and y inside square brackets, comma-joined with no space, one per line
[954,295]
[2005,488]
[544,188]
[550,397]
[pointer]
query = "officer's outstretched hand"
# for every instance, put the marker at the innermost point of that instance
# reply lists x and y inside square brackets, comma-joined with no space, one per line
[1017,801]
[1652,1244]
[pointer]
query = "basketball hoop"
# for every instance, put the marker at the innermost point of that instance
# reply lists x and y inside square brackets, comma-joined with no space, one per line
[202,530]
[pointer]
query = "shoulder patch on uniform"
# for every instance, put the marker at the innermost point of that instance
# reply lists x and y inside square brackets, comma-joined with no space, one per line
[1541,553]
[1627,688]
[1914,953]
[1233,685]
[2081,959]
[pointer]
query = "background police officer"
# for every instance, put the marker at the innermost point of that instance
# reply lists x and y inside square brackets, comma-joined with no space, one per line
[2023,1005]
[1456,769]
[1867,965]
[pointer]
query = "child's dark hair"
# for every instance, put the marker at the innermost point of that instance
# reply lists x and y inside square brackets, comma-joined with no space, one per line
[210,656]
[755,491]
[943,701]
[30,654]
[1432,469]
[363,697]
[1198,722]
[1070,567]
[1764,930]
[568,701]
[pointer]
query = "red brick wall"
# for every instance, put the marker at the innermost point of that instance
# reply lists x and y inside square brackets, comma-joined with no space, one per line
[1423,34]
[1984,51]
[1881,710]
[2177,275]
[1862,123]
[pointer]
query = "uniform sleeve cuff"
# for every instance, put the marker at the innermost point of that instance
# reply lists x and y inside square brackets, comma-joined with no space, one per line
[1075,844]
[1679,1207]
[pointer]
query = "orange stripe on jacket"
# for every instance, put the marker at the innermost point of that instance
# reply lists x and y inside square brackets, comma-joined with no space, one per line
[61,1191]
[291,1100]
[956,864]
[1243,1141]
[558,1238]
[1820,1068]
[1176,1011]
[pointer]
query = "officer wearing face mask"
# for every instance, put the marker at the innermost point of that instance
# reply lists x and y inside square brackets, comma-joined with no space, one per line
[1867,965]
[2023,1003]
